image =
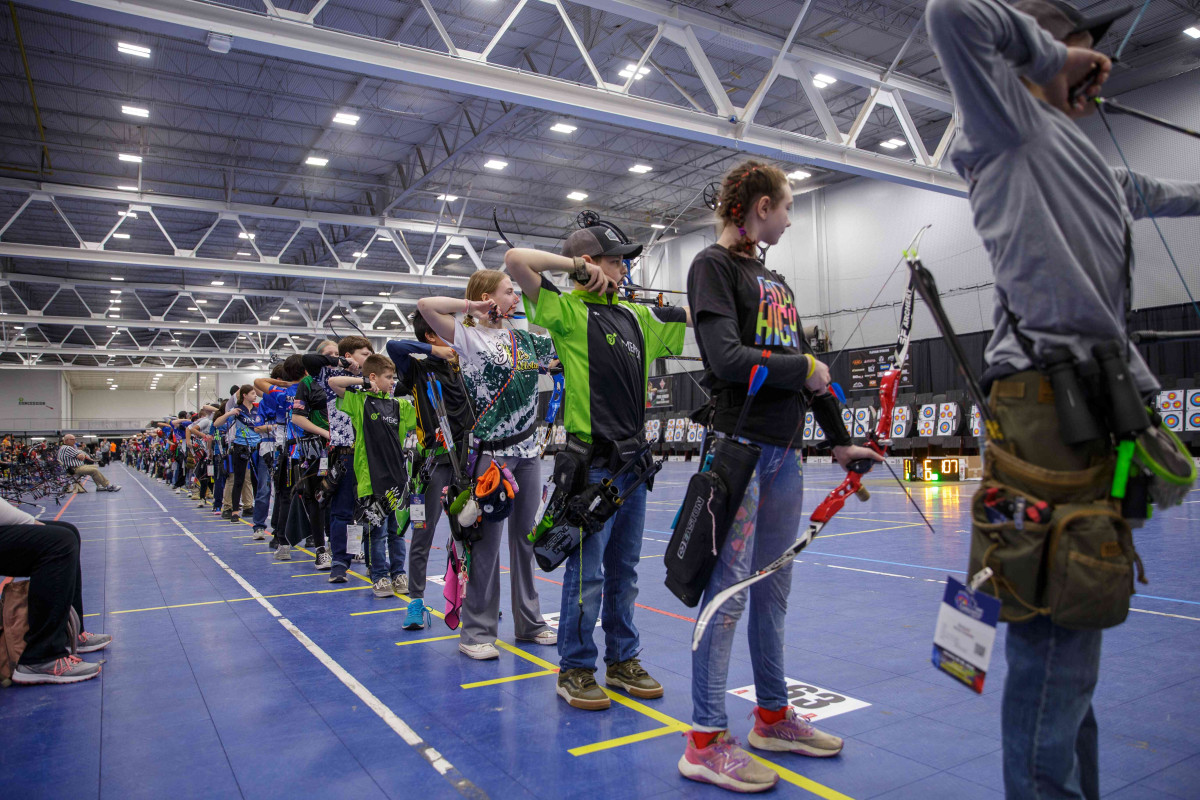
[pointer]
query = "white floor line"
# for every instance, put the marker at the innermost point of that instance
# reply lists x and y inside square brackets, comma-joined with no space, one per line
[399,726]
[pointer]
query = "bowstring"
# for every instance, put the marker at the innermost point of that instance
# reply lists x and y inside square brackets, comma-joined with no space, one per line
[1137,185]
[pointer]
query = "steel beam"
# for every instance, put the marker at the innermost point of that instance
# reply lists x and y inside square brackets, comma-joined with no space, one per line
[272,37]
[182,327]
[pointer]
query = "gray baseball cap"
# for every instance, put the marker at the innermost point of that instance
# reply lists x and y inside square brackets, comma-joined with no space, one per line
[598,241]
[1061,19]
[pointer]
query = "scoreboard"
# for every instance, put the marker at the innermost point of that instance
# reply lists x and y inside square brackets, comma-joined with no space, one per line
[933,469]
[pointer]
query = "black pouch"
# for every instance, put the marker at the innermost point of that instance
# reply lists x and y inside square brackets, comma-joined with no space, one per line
[708,511]
[553,538]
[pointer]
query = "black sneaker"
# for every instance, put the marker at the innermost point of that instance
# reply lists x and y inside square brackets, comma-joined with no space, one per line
[308,542]
[337,574]
[227,513]
[578,687]
[630,676]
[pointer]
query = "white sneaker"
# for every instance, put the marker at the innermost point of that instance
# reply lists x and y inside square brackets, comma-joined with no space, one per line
[400,584]
[546,637]
[260,534]
[283,553]
[383,587]
[479,652]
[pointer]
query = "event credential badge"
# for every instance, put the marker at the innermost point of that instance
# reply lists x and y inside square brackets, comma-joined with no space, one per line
[965,633]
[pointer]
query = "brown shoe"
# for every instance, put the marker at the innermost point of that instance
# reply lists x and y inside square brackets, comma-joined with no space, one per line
[630,676]
[578,687]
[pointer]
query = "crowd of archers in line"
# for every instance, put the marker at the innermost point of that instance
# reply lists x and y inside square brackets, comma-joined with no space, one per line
[357,448]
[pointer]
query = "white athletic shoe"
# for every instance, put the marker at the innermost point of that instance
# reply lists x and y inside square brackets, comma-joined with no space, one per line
[383,587]
[479,652]
[546,637]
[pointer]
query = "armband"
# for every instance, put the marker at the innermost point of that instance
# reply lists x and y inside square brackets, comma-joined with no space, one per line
[812,366]
[827,411]
[579,272]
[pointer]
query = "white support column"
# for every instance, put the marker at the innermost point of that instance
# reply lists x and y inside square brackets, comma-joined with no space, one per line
[860,121]
[641,62]
[799,70]
[441,29]
[910,128]
[512,16]
[587,59]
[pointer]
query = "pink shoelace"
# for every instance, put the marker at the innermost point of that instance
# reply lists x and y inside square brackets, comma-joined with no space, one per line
[65,664]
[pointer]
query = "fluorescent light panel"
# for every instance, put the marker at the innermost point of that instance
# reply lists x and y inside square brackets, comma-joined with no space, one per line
[316,161]
[120,236]
[342,118]
[799,175]
[563,127]
[133,49]
[1193,32]
[657,226]
[244,235]
[641,169]
[454,256]
[128,214]
[135,111]
[628,72]
[130,157]
[127,188]
[495,163]
[577,196]
[449,198]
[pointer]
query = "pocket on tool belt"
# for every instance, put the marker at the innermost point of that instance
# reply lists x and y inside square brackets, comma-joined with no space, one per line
[1014,551]
[1090,567]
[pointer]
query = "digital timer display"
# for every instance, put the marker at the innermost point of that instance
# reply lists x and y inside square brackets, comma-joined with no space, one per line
[933,469]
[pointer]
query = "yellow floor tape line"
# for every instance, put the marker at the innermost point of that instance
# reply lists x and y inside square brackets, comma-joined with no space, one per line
[509,679]
[632,738]
[431,639]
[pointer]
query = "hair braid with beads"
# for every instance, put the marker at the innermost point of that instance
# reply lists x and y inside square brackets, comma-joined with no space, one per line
[741,189]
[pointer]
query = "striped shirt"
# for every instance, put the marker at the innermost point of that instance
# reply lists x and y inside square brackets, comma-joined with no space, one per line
[68,456]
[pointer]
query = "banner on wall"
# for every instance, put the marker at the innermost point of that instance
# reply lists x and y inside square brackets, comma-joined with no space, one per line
[658,392]
[867,365]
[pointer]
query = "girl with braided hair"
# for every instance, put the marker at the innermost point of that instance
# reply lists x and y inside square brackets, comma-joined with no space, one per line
[745,314]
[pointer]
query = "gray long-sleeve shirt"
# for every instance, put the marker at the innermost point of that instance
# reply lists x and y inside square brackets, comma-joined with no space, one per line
[1052,214]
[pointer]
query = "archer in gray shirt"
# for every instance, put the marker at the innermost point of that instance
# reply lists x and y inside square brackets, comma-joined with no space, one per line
[1052,214]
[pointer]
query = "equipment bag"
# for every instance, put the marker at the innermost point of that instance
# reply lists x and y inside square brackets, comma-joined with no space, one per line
[709,507]
[1055,542]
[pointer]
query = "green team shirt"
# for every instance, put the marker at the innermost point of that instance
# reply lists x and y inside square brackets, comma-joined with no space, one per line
[606,347]
[353,404]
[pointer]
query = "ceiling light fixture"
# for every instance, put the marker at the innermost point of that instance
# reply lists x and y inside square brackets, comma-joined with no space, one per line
[120,236]
[798,175]
[1193,31]
[218,283]
[130,157]
[368,302]
[359,255]
[244,235]
[577,196]
[495,163]
[127,188]
[640,169]
[275,317]
[825,79]
[114,291]
[454,256]
[892,144]
[240,253]
[135,111]
[115,278]
[316,161]
[449,198]
[133,49]
[628,72]
[343,118]
[385,294]
[127,214]
[563,127]
[657,226]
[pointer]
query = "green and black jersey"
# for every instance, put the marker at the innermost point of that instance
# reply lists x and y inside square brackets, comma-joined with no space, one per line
[606,347]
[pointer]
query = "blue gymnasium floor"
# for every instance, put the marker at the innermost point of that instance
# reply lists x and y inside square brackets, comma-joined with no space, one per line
[205,693]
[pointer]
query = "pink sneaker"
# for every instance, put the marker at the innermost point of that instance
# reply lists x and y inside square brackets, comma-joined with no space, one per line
[724,763]
[793,735]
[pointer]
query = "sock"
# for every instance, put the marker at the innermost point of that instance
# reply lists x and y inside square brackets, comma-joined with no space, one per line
[771,717]
[702,739]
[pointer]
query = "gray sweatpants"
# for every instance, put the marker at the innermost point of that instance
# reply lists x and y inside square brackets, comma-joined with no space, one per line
[481,606]
[422,538]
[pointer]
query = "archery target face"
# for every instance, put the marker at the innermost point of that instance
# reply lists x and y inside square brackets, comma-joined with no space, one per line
[862,421]
[901,422]
[976,422]
[947,419]
[1193,410]
[653,428]
[848,419]
[1170,406]
[808,426]
[927,420]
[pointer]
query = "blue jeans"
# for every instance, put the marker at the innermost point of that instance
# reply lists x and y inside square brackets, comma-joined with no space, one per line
[766,523]
[262,490]
[220,475]
[610,561]
[387,550]
[341,510]
[1047,721]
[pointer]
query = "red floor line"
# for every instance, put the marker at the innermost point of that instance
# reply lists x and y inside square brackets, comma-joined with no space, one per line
[67,505]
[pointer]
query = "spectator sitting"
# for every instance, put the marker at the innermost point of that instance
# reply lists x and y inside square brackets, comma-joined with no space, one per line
[74,461]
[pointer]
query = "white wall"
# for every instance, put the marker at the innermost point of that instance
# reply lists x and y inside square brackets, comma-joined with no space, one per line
[31,399]
[122,404]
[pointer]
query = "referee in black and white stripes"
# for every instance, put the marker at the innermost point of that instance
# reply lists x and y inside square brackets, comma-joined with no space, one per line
[76,462]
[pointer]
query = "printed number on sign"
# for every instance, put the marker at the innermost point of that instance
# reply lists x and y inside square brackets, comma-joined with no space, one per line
[810,698]
[811,702]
